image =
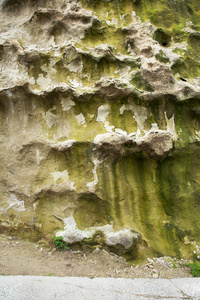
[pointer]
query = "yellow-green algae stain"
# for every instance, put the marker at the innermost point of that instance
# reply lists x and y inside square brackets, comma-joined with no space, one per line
[160,200]
[171,17]
[162,13]
[152,198]
[157,199]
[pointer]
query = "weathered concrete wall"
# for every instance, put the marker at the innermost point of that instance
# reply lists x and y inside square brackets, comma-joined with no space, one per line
[99,114]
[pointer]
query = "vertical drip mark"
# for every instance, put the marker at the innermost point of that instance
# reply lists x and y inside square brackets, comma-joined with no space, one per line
[117,199]
[106,190]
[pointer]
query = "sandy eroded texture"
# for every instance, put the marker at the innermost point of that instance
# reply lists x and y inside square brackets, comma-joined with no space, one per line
[99,124]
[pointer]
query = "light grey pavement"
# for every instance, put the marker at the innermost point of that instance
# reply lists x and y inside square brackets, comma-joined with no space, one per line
[79,288]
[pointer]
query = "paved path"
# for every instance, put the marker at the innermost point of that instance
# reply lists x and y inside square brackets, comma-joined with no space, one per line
[81,288]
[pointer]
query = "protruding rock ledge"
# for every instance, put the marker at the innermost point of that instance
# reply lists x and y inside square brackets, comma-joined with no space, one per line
[125,237]
[157,144]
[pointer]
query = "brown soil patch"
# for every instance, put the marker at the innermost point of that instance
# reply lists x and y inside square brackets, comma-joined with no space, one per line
[23,258]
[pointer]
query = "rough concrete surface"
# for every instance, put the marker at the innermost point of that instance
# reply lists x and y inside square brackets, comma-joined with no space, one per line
[77,288]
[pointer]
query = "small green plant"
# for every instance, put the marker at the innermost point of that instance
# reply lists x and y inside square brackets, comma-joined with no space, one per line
[59,243]
[195,269]
[50,274]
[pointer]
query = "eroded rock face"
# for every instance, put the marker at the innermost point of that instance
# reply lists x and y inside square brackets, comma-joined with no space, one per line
[99,112]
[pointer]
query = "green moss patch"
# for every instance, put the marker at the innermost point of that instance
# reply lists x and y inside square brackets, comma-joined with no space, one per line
[162,36]
[161,57]
[186,68]
[139,82]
